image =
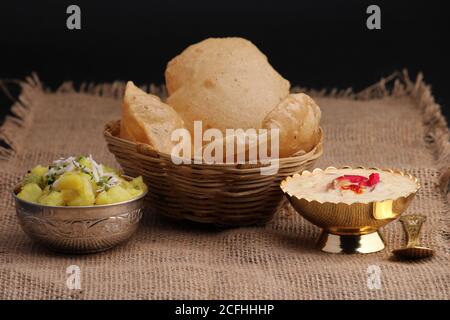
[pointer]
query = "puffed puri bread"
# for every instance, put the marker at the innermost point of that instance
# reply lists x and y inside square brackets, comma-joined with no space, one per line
[298,119]
[225,82]
[146,119]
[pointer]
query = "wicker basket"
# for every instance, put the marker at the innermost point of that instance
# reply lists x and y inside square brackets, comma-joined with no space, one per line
[222,194]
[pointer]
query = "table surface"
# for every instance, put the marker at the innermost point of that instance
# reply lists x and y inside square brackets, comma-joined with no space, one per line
[169,260]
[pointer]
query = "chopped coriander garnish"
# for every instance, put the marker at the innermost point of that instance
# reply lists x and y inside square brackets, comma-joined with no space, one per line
[105,180]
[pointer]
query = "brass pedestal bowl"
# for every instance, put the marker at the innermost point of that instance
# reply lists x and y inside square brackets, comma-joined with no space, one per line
[350,228]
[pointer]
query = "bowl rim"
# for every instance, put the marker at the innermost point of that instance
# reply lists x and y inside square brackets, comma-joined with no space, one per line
[79,207]
[285,181]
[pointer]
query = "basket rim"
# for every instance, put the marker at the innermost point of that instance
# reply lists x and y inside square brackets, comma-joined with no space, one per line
[146,150]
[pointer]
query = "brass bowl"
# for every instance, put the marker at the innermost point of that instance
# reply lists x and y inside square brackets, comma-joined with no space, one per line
[83,229]
[350,228]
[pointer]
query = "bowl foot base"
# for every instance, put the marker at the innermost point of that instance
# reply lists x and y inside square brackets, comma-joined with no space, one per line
[367,243]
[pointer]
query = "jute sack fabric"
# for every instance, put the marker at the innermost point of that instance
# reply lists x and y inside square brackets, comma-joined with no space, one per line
[400,127]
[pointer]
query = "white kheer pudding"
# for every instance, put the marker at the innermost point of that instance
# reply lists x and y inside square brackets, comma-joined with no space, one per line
[350,186]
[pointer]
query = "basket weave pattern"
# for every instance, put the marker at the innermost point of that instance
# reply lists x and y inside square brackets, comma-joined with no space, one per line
[222,194]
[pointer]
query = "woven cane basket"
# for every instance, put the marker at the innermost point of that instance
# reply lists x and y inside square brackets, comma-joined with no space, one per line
[221,194]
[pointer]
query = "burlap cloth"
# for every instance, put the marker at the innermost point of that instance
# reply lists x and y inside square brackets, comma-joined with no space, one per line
[401,128]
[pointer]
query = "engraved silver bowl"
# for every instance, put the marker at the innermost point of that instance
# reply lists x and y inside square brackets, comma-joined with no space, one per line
[79,230]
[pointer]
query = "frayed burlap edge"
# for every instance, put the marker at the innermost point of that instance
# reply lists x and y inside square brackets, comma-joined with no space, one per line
[398,84]
[22,113]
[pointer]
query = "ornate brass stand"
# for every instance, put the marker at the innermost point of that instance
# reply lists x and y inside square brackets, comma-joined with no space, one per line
[366,243]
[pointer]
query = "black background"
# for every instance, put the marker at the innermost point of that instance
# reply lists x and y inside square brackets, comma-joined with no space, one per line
[317,44]
[166,309]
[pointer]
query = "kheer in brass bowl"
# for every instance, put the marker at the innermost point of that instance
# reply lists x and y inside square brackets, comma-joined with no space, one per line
[350,204]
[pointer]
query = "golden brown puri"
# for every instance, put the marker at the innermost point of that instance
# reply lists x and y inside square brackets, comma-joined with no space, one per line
[225,82]
[297,117]
[146,119]
[243,147]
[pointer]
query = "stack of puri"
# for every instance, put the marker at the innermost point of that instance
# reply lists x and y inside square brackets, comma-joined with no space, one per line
[226,83]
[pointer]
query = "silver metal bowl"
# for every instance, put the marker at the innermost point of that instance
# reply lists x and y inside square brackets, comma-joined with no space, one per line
[84,229]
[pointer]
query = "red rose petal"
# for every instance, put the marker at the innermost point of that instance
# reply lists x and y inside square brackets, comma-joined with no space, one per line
[352,178]
[356,183]
[374,178]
